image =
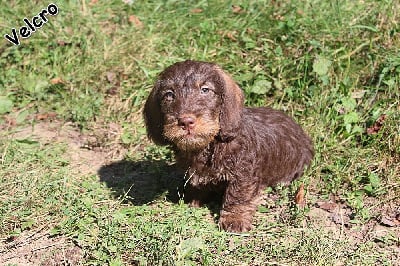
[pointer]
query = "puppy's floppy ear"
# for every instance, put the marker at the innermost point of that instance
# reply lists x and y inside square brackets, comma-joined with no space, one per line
[232,107]
[153,117]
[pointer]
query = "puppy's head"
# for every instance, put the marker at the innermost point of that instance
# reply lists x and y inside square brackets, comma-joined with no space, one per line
[191,104]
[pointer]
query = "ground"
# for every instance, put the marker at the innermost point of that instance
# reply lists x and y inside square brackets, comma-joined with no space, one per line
[39,247]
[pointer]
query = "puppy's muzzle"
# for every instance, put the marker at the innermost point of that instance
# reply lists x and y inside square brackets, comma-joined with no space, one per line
[187,122]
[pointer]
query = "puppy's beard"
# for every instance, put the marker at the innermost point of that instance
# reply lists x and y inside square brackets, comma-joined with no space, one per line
[194,139]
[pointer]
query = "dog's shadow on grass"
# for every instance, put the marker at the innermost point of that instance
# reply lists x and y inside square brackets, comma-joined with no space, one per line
[142,182]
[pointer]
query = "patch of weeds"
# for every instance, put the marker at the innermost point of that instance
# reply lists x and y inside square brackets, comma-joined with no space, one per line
[349,117]
[33,206]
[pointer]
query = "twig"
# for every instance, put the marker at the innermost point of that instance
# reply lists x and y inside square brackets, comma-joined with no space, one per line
[358,48]
[27,240]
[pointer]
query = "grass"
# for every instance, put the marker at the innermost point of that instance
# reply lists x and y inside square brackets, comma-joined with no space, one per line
[334,66]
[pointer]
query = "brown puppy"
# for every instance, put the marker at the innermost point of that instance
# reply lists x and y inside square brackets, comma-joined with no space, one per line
[225,148]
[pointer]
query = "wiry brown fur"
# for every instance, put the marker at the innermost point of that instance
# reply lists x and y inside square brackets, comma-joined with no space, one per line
[226,149]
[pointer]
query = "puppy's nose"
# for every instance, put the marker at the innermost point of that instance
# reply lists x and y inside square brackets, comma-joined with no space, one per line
[186,122]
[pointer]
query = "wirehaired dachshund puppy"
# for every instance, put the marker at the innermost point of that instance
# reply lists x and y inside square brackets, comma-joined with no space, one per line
[225,148]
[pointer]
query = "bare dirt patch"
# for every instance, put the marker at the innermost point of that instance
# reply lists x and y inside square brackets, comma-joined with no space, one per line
[334,217]
[85,152]
[40,248]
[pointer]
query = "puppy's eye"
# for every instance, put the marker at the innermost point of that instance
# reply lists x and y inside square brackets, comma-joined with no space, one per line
[204,89]
[169,95]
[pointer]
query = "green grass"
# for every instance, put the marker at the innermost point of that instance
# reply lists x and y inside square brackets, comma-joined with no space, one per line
[333,65]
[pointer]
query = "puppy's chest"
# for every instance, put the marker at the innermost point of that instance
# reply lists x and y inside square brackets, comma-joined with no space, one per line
[207,169]
[207,175]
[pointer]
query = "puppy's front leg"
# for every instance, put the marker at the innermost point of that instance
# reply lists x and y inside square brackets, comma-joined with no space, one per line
[238,206]
[195,197]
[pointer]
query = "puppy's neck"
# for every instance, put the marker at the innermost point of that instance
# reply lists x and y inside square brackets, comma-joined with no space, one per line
[195,157]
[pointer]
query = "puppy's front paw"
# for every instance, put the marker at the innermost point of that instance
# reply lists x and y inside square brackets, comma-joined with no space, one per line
[236,223]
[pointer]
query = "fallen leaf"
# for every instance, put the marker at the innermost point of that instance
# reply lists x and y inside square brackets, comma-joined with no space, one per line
[196,10]
[327,206]
[62,43]
[45,116]
[110,76]
[123,76]
[236,9]
[278,17]
[135,20]
[230,36]
[377,125]
[389,222]
[249,30]
[56,80]
[299,198]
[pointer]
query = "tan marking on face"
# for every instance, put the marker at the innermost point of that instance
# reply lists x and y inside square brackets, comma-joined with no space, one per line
[200,136]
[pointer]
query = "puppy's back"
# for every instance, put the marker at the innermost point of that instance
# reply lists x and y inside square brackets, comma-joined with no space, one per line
[282,146]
